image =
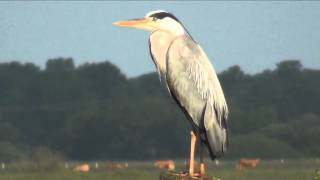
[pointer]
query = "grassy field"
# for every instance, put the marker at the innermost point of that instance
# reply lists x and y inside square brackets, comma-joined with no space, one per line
[267,170]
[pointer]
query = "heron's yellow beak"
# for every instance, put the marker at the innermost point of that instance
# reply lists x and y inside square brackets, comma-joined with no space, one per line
[143,23]
[131,22]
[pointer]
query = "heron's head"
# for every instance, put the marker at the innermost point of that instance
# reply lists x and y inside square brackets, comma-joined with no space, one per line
[155,20]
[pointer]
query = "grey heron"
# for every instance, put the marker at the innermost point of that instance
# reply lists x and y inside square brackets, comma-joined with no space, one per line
[191,80]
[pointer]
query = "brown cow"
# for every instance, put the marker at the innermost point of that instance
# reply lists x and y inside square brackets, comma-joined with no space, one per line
[243,162]
[117,165]
[82,168]
[165,164]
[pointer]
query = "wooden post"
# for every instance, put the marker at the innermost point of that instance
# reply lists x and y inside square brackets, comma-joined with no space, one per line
[178,176]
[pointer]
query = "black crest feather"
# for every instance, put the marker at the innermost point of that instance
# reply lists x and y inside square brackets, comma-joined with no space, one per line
[161,15]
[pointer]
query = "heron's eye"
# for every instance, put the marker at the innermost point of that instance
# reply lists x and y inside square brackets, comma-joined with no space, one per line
[154,19]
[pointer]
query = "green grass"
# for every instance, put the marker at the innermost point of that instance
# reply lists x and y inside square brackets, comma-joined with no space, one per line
[267,170]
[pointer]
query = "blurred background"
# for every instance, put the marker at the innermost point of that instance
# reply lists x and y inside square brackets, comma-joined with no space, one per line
[75,87]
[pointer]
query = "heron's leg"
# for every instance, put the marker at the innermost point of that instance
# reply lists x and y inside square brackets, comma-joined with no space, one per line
[202,166]
[192,150]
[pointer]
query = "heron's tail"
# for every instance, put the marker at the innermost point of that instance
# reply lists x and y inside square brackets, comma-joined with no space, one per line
[217,141]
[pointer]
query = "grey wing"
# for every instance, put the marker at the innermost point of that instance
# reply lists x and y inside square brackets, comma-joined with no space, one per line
[194,84]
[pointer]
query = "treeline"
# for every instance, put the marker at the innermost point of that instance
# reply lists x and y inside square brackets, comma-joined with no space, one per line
[95,112]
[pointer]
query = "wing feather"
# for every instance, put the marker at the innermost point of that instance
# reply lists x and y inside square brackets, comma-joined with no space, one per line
[191,76]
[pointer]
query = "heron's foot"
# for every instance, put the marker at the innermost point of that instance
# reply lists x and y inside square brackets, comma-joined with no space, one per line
[187,174]
[193,175]
[183,174]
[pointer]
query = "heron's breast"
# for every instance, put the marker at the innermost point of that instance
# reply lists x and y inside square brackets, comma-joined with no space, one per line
[159,45]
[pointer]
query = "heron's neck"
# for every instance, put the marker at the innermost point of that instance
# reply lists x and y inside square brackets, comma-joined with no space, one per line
[159,44]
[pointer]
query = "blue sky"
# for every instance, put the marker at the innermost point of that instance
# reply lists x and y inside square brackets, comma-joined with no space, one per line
[255,35]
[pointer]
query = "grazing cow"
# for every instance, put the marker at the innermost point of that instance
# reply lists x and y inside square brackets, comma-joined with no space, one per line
[82,168]
[165,164]
[117,165]
[243,162]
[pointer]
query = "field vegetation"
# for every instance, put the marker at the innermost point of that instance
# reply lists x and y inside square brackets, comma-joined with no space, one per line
[144,170]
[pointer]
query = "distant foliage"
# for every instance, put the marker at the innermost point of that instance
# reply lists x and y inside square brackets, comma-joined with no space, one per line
[93,111]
